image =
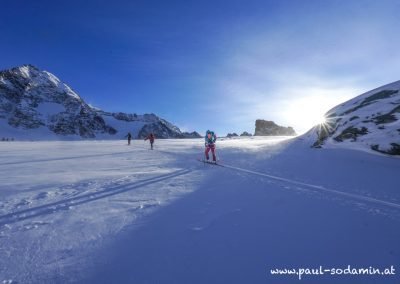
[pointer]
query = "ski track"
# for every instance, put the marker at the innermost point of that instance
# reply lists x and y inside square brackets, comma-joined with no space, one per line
[64,158]
[316,187]
[82,199]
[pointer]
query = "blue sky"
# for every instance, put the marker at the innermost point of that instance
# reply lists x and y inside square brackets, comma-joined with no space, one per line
[209,64]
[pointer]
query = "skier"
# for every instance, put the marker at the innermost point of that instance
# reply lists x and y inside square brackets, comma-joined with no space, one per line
[210,145]
[129,138]
[151,138]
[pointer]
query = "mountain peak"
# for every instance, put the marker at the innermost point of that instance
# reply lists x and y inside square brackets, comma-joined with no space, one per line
[30,67]
[31,77]
[26,70]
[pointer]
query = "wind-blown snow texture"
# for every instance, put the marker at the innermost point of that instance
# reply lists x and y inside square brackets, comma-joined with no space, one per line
[103,212]
[36,105]
[367,122]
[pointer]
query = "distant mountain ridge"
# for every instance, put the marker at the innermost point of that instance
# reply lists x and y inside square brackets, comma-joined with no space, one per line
[369,121]
[35,104]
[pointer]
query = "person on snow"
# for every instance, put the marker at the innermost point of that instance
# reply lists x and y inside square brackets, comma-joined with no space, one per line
[210,145]
[151,138]
[129,138]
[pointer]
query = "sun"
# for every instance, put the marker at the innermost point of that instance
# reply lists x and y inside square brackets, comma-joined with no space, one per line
[306,112]
[320,120]
[313,117]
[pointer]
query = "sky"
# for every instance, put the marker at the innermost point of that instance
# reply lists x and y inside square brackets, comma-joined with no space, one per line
[202,65]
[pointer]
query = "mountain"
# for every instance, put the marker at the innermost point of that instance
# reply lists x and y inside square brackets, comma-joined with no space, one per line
[193,134]
[270,128]
[245,133]
[35,104]
[369,121]
[231,135]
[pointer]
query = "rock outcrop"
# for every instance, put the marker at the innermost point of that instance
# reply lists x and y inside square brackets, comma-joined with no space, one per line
[270,128]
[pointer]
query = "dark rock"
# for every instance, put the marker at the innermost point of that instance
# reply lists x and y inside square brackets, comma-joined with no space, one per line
[351,133]
[230,135]
[193,134]
[245,133]
[270,128]
[394,150]
[160,129]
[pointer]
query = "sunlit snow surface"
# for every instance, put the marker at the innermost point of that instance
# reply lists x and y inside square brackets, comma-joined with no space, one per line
[106,212]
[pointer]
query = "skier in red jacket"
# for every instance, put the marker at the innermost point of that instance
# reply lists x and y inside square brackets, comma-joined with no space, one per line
[151,137]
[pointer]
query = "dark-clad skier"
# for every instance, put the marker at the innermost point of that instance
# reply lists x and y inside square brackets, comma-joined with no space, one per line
[129,135]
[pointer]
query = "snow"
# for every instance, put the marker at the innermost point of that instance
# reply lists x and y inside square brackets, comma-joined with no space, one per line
[46,77]
[34,134]
[52,78]
[105,212]
[25,71]
[43,78]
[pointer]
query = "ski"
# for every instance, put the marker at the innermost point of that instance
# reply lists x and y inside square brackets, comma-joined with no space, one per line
[209,162]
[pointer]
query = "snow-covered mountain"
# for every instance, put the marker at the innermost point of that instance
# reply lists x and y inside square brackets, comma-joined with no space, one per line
[35,104]
[368,121]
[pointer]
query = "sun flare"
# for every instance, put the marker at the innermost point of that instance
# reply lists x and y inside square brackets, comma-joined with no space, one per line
[320,120]
[309,111]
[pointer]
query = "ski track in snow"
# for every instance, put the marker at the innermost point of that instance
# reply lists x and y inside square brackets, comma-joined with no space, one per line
[65,204]
[365,203]
[63,159]
[317,187]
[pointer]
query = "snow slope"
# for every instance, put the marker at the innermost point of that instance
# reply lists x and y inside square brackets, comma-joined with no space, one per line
[367,122]
[104,212]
